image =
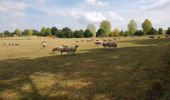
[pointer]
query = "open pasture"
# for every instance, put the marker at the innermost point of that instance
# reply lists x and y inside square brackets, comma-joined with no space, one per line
[29,71]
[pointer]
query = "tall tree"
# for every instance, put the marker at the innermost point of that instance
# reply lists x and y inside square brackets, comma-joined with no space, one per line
[132,27]
[168,31]
[152,31]
[54,30]
[28,32]
[78,34]
[160,31]
[147,26]
[43,31]
[68,33]
[92,28]
[115,33]
[106,26]
[17,32]
[7,33]
[88,33]
[100,33]
[48,31]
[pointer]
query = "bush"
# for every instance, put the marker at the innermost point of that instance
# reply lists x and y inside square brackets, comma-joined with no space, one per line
[168,31]
[78,34]
[139,33]
[88,33]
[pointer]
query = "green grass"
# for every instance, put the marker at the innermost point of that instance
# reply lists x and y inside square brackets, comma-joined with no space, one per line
[137,70]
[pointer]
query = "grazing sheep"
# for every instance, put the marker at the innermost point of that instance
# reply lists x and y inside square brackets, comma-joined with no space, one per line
[158,37]
[151,36]
[65,45]
[109,44]
[166,36]
[77,41]
[98,43]
[112,44]
[105,44]
[72,50]
[61,49]
[104,40]
[44,44]
[82,40]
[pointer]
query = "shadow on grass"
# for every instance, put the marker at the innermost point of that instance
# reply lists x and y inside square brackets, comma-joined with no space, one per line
[90,74]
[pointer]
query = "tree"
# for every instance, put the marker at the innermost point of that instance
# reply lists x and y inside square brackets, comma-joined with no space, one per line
[17,32]
[48,31]
[121,33]
[88,33]
[100,33]
[54,30]
[114,33]
[68,33]
[7,33]
[147,26]
[152,31]
[168,31]
[139,33]
[28,32]
[132,27]
[60,34]
[35,32]
[126,33]
[160,31]
[78,34]
[43,31]
[106,26]
[92,28]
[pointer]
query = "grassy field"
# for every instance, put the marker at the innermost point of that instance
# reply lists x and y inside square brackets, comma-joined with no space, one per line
[137,70]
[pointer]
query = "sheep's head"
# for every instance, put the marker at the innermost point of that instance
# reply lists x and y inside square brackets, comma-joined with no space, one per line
[76,46]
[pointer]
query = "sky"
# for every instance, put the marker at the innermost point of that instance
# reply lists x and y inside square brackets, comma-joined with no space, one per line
[77,14]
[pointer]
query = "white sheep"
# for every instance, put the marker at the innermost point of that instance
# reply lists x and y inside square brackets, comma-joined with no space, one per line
[72,50]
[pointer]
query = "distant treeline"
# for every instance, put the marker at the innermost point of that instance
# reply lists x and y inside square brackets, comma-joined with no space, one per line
[103,31]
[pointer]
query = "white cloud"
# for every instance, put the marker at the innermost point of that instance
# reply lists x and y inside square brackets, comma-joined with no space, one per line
[8,6]
[114,17]
[97,2]
[156,5]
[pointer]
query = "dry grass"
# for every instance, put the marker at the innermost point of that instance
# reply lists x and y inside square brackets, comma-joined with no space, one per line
[31,72]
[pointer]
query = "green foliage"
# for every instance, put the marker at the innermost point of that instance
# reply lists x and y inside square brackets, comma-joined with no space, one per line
[139,33]
[60,34]
[106,26]
[147,26]
[54,30]
[88,33]
[100,33]
[17,32]
[121,33]
[160,31]
[78,34]
[132,27]
[152,31]
[7,33]
[35,32]
[92,28]
[115,33]
[168,31]
[43,31]
[48,31]
[67,32]
[126,33]
[28,32]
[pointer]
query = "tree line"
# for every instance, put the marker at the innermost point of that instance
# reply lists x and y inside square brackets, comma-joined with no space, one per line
[103,31]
